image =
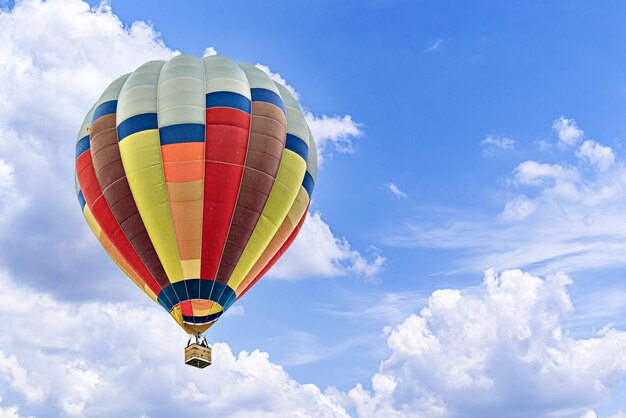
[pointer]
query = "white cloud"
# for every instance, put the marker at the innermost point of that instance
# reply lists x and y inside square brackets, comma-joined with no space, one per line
[396,191]
[567,131]
[559,180]
[517,209]
[478,352]
[7,181]
[103,359]
[333,134]
[317,252]
[11,202]
[19,379]
[9,412]
[58,56]
[208,51]
[493,143]
[598,155]
[434,46]
[559,217]
[503,349]
[534,173]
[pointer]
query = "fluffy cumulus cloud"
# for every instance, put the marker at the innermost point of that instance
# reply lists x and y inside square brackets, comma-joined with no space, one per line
[557,215]
[88,359]
[533,173]
[502,350]
[598,155]
[317,252]
[333,133]
[567,131]
[58,56]
[517,209]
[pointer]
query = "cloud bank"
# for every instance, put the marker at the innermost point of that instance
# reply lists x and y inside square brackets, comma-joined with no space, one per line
[501,349]
[115,359]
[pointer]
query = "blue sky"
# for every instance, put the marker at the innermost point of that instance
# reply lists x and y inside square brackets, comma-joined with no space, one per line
[456,138]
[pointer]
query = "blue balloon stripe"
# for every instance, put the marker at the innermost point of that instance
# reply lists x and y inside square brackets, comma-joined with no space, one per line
[184,132]
[268,96]
[104,109]
[81,200]
[298,146]
[231,299]
[82,145]
[137,123]
[308,183]
[228,99]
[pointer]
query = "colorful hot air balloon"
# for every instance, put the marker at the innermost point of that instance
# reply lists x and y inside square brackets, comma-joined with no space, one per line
[195,175]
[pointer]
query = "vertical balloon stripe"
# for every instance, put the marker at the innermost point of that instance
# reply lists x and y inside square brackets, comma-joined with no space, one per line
[290,226]
[290,222]
[310,177]
[285,188]
[181,118]
[115,255]
[265,151]
[227,132]
[308,184]
[102,215]
[105,155]
[109,248]
[140,149]
[276,257]
[281,198]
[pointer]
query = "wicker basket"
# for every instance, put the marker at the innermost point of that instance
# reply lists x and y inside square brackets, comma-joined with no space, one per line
[197,355]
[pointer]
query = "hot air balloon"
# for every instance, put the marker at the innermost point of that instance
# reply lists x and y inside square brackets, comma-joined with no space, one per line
[195,174]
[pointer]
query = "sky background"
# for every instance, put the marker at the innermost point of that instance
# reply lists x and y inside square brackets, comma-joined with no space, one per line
[465,251]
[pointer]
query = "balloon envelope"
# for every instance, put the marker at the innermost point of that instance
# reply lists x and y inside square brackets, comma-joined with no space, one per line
[195,175]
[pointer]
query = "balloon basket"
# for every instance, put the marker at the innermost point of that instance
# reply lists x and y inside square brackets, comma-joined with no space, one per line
[198,352]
